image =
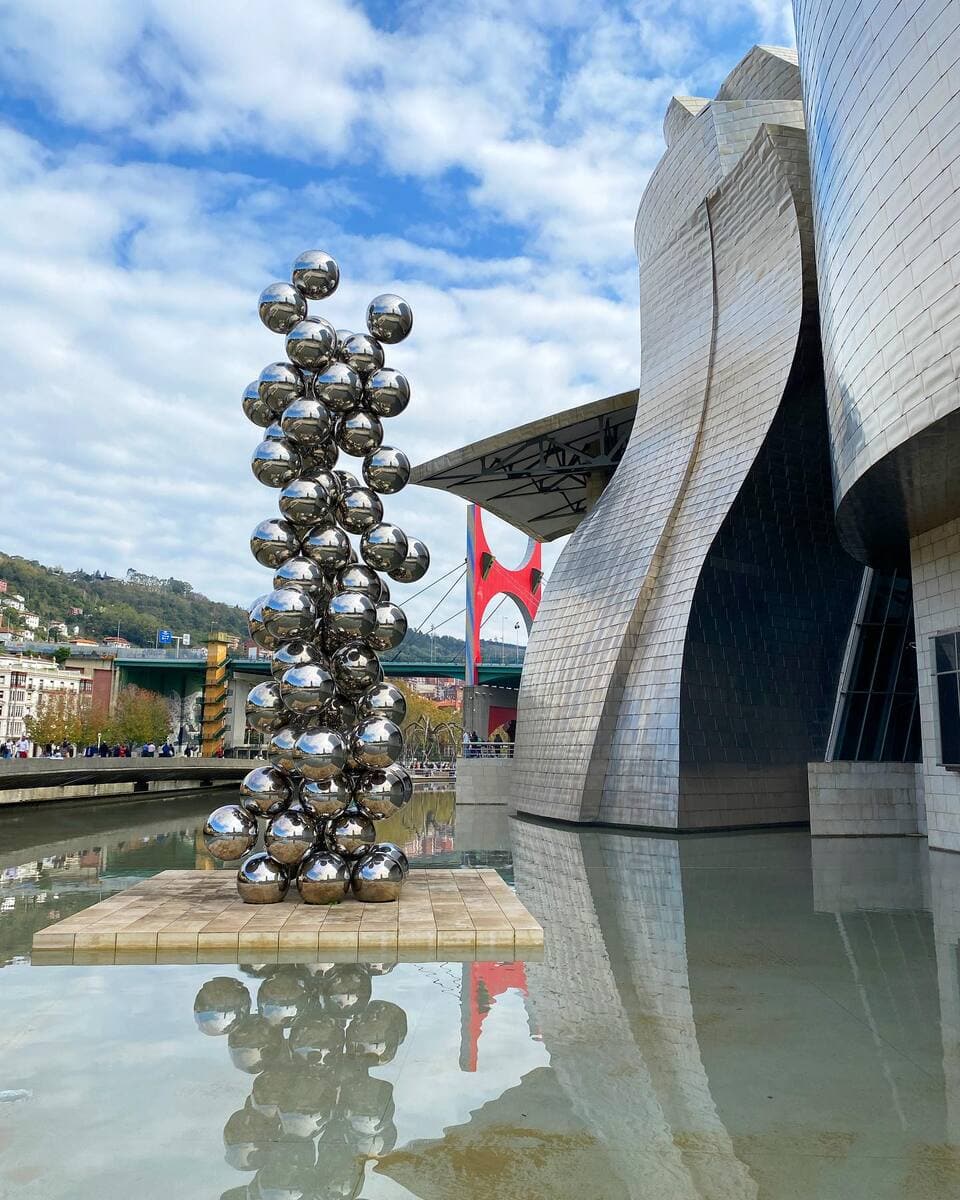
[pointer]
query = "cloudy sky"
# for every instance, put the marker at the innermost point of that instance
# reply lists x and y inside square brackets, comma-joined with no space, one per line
[160,162]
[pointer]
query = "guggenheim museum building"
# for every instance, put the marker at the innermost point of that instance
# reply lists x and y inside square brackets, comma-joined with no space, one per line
[756,618]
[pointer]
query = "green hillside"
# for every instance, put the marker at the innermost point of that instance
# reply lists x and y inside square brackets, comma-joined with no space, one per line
[142,605]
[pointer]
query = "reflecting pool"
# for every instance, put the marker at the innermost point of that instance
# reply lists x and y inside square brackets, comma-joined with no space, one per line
[752,1015]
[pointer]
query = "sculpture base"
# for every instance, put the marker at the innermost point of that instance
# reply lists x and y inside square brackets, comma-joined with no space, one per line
[196,916]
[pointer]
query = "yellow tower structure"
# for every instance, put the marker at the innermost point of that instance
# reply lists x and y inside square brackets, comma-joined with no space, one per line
[215,691]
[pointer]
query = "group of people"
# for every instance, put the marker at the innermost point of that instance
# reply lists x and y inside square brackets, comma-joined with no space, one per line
[502,740]
[18,749]
[24,748]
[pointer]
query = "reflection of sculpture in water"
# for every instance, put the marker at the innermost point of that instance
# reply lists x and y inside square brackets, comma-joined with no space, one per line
[314,1112]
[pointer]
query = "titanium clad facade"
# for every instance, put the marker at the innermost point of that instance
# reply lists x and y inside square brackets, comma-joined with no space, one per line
[882,95]
[625,674]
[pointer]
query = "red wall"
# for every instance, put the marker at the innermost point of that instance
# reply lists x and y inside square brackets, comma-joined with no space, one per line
[500,714]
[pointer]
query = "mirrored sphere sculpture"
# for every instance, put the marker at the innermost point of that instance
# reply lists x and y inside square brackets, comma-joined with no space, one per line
[280,384]
[352,833]
[262,880]
[359,510]
[389,318]
[415,564]
[281,306]
[376,742]
[256,409]
[220,1005]
[275,463]
[363,354]
[323,753]
[229,832]
[386,392]
[326,720]
[290,836]
[323,877]
[386,470]
[385,548]
[377,879]
[265,791]
[315,274]
[392,851]
[273,542]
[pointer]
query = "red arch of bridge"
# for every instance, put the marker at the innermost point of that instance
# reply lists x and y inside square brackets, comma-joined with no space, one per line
[487,578]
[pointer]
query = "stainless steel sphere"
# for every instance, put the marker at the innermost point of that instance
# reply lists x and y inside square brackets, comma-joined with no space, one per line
[357,578]
[265,711]
[376,879]
[315,1038]
[376,742]
[339,387]
[315,274]
[307,423]
[273,542]
[307,690]
[221,1004]
[258,631]
[312,344]
[283,751]
[390,629]
[290,614]
[229,832]
[351,615]
[364,354]
[359,510]
[355,668]
[386,392]
[254,408]
[275,463]
[326,797]
[323,753]
[392,850]
[300,572]
[415,564]
[346,992]
[274,432]
[359,433]
[265,791]
[384,547]
[280,384]
[320,458]
[262,880]
[281,306]
[290,835]
[383,700]
[381,793]
[328,547]
[294,654]
[308,500]
[347,480]
[389,318]
[386,470]
[352,833]
[323,878]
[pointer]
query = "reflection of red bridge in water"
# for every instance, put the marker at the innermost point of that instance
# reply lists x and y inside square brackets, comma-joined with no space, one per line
[436,841]
[482,983]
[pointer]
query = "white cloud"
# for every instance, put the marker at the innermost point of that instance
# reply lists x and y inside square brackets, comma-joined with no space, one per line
[133,246]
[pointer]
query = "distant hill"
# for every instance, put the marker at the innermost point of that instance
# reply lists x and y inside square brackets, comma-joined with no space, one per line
[142,604]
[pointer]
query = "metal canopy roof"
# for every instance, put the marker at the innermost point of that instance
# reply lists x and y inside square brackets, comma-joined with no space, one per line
[538,477]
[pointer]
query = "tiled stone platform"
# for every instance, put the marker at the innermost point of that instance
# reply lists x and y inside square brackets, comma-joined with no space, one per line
[196,916]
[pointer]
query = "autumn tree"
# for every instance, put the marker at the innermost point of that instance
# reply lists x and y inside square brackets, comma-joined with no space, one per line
[57,718]
[140,716]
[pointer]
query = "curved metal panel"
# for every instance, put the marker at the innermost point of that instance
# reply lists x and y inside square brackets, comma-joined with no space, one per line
[881,86]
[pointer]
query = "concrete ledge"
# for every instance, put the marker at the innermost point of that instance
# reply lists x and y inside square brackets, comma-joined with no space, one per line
[33,780]
[858,799]
[484,780]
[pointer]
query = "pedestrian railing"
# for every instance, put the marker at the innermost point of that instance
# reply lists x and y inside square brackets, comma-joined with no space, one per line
[487,750]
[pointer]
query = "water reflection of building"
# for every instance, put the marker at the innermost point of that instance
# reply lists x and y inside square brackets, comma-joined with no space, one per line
[731,1024]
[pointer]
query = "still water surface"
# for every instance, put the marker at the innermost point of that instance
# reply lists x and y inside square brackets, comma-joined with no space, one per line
[741,1017]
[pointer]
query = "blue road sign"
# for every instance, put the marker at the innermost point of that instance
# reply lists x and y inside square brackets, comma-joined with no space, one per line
[164,638]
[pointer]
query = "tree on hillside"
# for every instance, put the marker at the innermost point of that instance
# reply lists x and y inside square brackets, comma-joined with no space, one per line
[140,716]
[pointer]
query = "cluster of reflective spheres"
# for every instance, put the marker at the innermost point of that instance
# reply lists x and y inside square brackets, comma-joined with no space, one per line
[308,1040]
[332,723]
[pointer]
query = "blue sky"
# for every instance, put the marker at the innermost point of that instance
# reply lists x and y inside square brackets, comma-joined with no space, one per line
[161,162]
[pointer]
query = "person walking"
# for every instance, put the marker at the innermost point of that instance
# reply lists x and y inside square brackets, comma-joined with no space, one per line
[23,748]
[466,744]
